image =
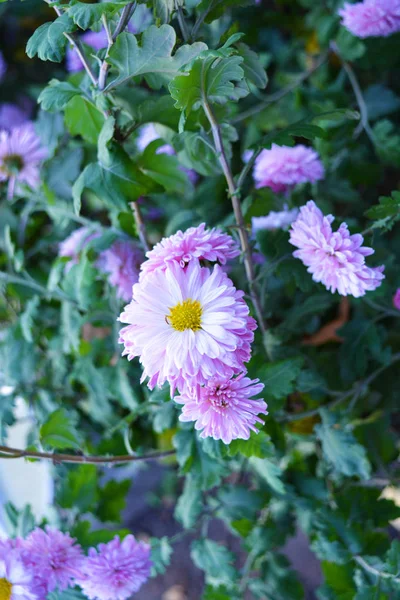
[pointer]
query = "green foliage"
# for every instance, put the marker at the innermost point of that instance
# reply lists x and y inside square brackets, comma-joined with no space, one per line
[215,560]
[86,15]
[48,42]
[59,431]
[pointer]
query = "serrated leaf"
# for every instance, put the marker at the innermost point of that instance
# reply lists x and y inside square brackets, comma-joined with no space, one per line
[269,472]
[163,169]
[341,448]
[79,489]
[86,15]
[60,431]
[189,505]
[259,444]
[161,552]
[27,317]
[56,95]
[219,7]
[48,41]
[154,56]
[252,67]
[79,281]
[279,377]
[84,119]
[388,208]
[215,560]
[113,500]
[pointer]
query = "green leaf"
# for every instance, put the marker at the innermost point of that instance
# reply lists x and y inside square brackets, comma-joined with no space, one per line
[380,101]
[97,404]
[259,444]
[388,209]
[161,552]
[350,47]
[28,316]
[71,322]
[163,10]
[48,41]
[56,95]
[279,378]
[86,15]
[269,472]
[79,282]
[79,489]
[215,560]
[163,169]
[252,67]
[189,505]
[113,500]
[339,579]
[154,56]
[84,119]
[219,7]
[191,456]
[59,431]
[341,448]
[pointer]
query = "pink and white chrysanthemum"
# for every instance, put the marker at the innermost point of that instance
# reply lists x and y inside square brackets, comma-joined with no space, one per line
[187,325]
[336,259]
[396,299]
[16,580]
[20,156]
[116,570]
[195,244]
[75,243]
[53,556]
[224,409]
[371,18]
[282,167]
[274,220]
[122,262]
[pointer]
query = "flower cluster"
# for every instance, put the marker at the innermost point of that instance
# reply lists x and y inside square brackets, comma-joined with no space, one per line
[49,560]
[336,259]
[371,18]
[283,167]
[191,328]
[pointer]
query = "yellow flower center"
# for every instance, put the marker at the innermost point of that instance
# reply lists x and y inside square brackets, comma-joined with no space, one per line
[5,589]
[185,315]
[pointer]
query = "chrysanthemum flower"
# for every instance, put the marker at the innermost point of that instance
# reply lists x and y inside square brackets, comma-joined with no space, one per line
[116,570]
[336,259]
[16,581]
[12,115]
[224,409]
[75,243]
[53,556]
[274,220]
[396,299]
[187,325]
[122,261]
[282,167]
[196,243]
[20,157]
[371,18]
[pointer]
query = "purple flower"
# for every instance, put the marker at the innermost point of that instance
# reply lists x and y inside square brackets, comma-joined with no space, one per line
[20,157]
[224,409]
[336,259]
[3,67]
[12,115]
[75,243]
[282,167]
[371,18]
[16,581]
[274,220]
[53,557]
[116,570]
[122,261]
[396,299]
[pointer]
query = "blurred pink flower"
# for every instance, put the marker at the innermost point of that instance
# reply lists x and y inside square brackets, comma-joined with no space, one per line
[336,259]
[224,409]
[75,243]
[20,156]
[122,262]
[187,325]
[396,299]
[115,570]
[195,244]
[12,115]
[282,167]
[371,18]
[274,220]
[16,580]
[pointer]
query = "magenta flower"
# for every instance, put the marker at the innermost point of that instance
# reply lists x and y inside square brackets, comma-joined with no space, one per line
[116,570]
[371,18]
[195,244]
[148,134]
[12,115]
[75,243]
[336,259]
[396,299]
[224,409]
[3,67]
[53,557]
[187,325]
[274,220]
[283,167]
[16,581]
[20,157]
[122,261]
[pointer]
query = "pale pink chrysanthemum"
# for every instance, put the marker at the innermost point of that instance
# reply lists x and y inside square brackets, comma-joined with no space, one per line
[274,220]
[20,156]
[396,299]
[282,167]
[371,18]
[75,243]
[224,409]
[16,580]
[196,243]
[122,261]
[116,570]
[12,115]
[53,557]
[3,67]
[187,325]
[336,259]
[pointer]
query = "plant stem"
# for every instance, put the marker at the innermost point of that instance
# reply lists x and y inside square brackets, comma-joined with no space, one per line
[276,96]
[359,560]
[54,294]
[181,21]
[237,209]
[125,17]
[200,20]
[104,65]
[80,459]
[140,225]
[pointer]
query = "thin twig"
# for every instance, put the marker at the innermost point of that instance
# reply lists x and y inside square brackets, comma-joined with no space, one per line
[125,17]
[359,560]
[181,21]
[237,209]
[104,65]
[276,96]
[80,459]
[200,20]
[140,225]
